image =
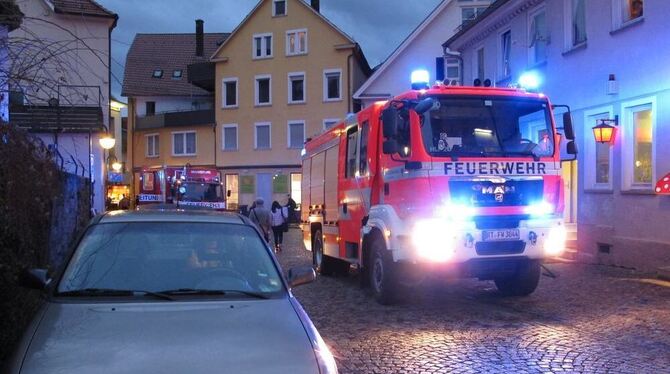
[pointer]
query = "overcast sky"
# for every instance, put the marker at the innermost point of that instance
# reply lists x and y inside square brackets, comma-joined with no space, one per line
[377,25]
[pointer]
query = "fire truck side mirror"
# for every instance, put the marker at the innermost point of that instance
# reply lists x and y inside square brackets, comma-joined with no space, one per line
[571,148]
[390,147]
[390,122]
[567,126]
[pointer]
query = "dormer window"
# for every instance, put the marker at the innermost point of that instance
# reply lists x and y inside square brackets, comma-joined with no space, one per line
[278,8]
[176,74]
[158,73]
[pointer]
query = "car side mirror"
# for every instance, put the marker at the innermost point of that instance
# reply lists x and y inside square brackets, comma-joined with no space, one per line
[35,279]
[300,275]
[390,122]
[567,127]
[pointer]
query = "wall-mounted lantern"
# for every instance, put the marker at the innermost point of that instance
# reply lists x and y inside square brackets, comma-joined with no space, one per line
[604,132]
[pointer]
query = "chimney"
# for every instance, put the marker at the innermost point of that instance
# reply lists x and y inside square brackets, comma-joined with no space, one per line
[315,5]
[199,37]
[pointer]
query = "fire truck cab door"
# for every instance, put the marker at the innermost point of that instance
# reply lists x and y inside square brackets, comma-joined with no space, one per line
[355,193]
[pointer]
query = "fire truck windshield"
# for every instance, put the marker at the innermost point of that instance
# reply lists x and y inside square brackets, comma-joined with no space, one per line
[194,191]
[488,127]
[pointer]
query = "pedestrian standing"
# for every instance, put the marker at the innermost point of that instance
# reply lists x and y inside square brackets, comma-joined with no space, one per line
[260,216]
[290,206]
[279,224]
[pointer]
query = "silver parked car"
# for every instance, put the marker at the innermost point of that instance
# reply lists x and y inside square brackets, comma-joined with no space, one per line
[171,292]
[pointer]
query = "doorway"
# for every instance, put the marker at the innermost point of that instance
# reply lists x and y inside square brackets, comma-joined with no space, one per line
[264,187]
[569,171]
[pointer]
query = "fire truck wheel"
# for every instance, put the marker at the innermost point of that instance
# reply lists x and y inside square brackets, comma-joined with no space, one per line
[523,283]
[383,282]
[323,264]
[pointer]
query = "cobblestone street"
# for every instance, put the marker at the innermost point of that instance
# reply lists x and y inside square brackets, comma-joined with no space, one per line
[588,319]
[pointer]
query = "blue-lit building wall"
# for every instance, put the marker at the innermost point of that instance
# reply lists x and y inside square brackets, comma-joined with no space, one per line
[620,221]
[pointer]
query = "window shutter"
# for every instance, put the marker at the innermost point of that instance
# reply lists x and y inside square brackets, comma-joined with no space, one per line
[439,68]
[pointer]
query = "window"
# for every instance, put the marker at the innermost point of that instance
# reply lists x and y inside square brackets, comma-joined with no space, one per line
[575,26]
[363,163]
[229,86]
[262,135]
[479,64]
[453,71]
[232,191]
[152,149]
[150,108]
[352,144]
[229,141]
[330,122]
[296,88]
[506,54]
[296,42]
[538,37]
[263,90]
[262,46]
[624,11]
[158,73]
[470,13]
[598,173]
[183,143]
[332,85]
[279,8]
[638,148]
[176,74]
[296,134]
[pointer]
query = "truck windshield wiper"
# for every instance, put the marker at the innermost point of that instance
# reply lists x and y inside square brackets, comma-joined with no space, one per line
[527,154]
[113,292]
[199,291]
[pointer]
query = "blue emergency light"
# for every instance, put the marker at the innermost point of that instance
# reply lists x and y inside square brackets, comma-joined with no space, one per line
[530,80]
[420,80]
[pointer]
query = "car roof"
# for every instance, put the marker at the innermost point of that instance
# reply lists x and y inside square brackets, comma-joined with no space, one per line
[172,215]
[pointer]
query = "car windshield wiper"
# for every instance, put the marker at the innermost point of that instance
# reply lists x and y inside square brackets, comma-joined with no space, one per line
[199,291]
[113,292]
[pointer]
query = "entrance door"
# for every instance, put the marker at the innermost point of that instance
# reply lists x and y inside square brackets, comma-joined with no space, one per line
[264,187]
[569,169]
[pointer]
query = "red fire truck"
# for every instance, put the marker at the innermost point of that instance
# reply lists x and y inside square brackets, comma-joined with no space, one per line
[182,186]
[449,180]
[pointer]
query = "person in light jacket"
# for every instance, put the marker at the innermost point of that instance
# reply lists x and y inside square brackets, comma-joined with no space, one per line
[279,216]
[260,216]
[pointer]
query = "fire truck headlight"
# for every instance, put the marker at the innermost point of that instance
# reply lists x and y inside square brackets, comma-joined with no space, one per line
[540,209]
[554,244]
[433,240]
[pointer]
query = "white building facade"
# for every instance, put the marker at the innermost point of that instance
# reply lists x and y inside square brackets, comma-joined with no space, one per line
[65,98]
[606,59]
[421,50]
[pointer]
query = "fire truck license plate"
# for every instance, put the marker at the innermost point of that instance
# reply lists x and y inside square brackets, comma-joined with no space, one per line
[505,234]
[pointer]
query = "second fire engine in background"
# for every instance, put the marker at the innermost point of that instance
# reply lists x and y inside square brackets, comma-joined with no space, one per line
[442,179]
[182,186]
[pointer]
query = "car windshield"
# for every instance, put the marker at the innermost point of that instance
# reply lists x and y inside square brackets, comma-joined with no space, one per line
[194,191]
[488,127]
[171,257]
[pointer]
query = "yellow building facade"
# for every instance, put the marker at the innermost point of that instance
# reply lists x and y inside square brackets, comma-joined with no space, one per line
[284,75]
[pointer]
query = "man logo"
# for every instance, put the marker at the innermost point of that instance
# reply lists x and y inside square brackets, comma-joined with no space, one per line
[499,197]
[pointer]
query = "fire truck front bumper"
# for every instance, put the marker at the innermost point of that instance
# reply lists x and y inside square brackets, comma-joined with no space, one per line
[438,241]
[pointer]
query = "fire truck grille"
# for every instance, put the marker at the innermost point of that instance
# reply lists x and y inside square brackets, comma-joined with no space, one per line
[500,248]
[490,194]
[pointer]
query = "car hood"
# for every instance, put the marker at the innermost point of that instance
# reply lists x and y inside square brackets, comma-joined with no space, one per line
[259,336]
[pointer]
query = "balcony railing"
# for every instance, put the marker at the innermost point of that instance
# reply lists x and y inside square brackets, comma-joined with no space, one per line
[176,119]
[56,118]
